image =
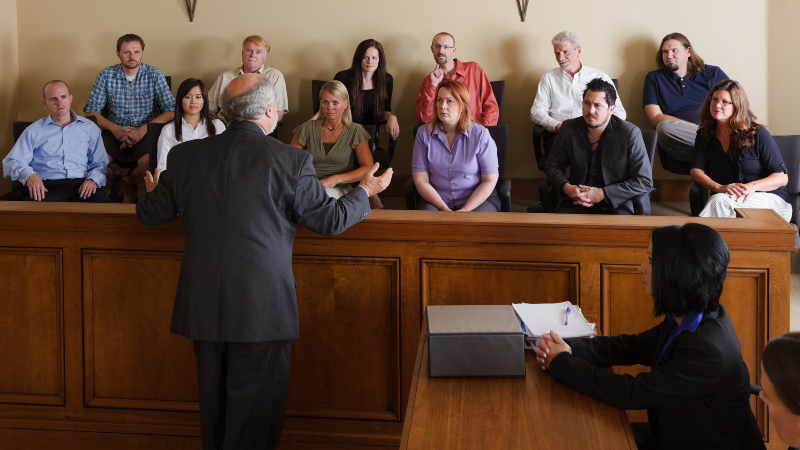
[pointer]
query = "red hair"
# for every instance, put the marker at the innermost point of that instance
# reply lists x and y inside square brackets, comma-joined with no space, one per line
[461,95]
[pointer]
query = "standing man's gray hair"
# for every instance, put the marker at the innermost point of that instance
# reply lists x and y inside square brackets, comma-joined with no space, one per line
[567,36]
[249,105]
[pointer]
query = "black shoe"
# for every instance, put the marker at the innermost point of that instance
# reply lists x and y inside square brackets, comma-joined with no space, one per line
[535,209]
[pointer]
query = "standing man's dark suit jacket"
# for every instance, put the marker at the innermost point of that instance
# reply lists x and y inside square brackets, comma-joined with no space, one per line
[241,196]
[625,166]
[698,397]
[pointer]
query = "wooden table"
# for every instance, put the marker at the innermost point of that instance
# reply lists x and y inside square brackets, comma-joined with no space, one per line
[535,412]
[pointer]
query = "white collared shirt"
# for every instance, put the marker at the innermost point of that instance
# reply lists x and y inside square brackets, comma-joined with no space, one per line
[560,96]
[167,139]
[273,75]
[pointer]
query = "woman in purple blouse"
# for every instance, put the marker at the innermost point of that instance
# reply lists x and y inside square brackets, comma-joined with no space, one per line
[454,163]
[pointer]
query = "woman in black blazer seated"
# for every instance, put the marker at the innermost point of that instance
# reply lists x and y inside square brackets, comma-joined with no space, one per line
[697,392]
[780,378]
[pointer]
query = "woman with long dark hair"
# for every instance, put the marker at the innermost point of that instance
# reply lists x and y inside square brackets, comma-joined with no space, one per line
[192,119]
[697,393]
[735,157]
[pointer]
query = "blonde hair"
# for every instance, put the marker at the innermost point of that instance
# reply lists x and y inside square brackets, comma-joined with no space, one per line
[338,90]
[256,40]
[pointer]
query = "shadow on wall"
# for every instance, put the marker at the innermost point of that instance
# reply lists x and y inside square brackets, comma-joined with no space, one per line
[523,83]
[639,59]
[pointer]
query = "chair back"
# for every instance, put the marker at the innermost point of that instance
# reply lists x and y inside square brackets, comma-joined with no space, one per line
[316,86]
[616,85]
[17,188]
[499,90]
[499,134]
[650,138]
[790,152]
[153,132]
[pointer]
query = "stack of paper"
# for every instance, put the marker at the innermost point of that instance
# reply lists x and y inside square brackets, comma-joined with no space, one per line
[540,318]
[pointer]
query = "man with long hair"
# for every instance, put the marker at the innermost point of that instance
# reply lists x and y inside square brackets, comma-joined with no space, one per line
[674,92]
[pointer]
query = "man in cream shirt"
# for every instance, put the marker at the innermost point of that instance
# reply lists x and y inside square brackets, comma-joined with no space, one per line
[560,94]
[254,52]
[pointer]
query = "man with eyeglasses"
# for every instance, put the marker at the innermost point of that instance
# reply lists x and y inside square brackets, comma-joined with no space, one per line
[560,93]
[674,93]
[484,105]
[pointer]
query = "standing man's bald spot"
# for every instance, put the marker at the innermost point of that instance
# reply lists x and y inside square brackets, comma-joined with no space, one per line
[242,83]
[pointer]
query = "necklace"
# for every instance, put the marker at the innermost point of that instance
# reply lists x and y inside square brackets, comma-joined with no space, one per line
[334,128]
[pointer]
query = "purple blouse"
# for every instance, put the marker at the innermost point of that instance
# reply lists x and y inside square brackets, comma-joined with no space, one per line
[456,172]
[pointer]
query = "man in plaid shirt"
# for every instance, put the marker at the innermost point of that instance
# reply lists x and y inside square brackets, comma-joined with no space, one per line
[135,94]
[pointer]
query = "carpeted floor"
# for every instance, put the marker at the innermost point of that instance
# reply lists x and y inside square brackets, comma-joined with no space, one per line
[658,209]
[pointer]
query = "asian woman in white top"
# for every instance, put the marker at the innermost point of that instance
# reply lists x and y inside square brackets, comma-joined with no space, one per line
[192,119]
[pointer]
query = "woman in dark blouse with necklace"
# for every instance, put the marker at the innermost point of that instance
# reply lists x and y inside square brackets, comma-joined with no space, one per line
[736,158]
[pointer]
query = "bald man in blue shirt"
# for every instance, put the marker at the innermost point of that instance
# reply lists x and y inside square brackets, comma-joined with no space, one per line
[61,157]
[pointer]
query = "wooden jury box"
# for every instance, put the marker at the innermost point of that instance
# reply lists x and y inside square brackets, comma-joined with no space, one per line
[475,341]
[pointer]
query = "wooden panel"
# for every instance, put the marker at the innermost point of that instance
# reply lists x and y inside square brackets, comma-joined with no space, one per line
[453,282]
[13,439]
[131,359]
[31,327]
[745,299]
[346,364]
[628,309]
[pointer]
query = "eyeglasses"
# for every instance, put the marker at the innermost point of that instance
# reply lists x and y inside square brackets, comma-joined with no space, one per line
[716,100]
[446,47]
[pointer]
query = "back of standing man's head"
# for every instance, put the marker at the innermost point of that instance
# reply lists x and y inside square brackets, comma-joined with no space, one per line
[250,104]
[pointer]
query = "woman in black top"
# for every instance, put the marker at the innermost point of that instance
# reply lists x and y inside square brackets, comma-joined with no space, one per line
[736,158]
[697,393]
[370,87]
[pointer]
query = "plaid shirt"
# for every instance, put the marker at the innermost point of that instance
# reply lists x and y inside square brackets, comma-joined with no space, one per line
[130,104]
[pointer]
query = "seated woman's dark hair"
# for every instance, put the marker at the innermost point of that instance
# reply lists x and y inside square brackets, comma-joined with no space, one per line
[689,267]
[187,85]
[781,360]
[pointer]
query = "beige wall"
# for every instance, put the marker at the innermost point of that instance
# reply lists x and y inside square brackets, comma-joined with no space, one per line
[9,80]
[783,95]
[313,39]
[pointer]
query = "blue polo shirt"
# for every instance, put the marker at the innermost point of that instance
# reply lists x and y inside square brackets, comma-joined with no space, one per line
[680,97]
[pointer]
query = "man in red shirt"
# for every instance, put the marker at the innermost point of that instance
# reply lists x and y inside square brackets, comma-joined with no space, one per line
[484,105]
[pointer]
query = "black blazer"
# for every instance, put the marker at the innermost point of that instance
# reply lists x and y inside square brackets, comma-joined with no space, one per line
[241,196]
[625,166]
[698,397]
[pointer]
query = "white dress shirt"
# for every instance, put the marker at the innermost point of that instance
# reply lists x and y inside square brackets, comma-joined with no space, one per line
[560,96]
[167,138]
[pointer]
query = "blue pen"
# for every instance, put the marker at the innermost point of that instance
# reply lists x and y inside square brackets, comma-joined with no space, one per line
[566,319]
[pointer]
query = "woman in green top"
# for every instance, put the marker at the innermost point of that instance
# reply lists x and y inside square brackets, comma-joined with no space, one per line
[335,141]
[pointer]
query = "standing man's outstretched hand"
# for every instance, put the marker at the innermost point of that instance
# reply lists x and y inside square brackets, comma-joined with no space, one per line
[375,185]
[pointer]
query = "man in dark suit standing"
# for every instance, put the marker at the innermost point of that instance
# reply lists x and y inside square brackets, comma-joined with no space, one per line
[240,196]
[605,155]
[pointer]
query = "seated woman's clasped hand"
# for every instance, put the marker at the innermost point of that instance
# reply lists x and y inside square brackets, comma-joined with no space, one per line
[549,347]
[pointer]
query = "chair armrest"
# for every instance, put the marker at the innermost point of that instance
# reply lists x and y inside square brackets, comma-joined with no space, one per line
[504,192]
[698,197]
[537,142]
[411,195]
[641,204]
[116,181]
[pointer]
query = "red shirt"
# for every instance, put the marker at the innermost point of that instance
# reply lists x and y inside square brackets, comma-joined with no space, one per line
[484,105]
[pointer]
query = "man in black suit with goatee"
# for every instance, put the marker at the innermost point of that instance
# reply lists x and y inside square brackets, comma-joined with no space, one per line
[240,196]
